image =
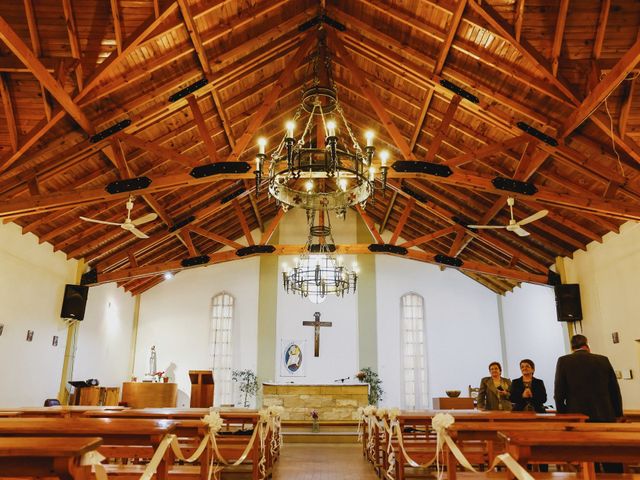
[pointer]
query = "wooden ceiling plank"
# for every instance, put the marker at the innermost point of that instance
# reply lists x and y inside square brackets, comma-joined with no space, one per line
[451,33]
[132,261]
[403,220]
[202,128]
[442,128]
[9,113]
[24,53]
[601,29]
[72,32]
[268,233]
[421,118]
[215,237]
[258,117]
[37,49]
[117,24]
[224,117]
[374,101]
[368,221]
[493,18]
[192,30]
[626,107]
[429,236]
[243,221]
[607,85]
[558,35]
[388,212]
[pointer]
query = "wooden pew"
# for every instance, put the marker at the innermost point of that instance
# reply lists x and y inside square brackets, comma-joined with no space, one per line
[59,410]
[10,414]
[420,444]
[121,438]
[46,457]
[230,446]
[573,446]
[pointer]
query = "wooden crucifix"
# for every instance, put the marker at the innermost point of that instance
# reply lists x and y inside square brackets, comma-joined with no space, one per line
[316,324]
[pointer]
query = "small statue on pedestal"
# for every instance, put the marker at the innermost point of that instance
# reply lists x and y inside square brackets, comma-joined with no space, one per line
[153,361]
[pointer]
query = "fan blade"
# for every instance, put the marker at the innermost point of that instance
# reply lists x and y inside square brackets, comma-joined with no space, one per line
[487,226]
[99,221]
[149,217]
[138,233]
[521,232]
[534,217]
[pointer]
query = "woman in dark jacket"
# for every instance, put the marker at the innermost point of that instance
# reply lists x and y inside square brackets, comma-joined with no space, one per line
[528,393]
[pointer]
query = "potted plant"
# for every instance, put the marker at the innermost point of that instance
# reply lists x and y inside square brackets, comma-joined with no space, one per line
[366,375]
[248,383]
[315,421]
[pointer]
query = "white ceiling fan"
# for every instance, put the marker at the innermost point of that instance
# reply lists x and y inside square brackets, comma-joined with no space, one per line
[128,224]
[514,226]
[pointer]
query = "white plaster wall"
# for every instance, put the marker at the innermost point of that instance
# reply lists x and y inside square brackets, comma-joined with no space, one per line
[175,316]
[104,336]
[462,328]
[32,280]
[610,294]
[338,343]
[532,331]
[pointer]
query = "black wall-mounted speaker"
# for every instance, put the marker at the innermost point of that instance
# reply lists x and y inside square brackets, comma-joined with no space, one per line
[568,305]
[74,302]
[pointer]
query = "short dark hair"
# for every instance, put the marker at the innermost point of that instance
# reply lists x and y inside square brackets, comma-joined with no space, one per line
[530,362]
[495,363]
[579,341]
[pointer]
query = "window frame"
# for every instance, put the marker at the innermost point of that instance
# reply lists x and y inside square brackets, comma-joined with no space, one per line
[221,395]
[403,350]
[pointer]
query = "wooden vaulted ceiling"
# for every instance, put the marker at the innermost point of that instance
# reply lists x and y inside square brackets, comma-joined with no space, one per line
[70,69]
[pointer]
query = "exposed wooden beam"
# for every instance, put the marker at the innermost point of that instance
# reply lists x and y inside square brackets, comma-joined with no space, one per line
[388,212]
[190,24]
[37,49]
[268,233]
[74,42]
[202,128]
[258,117]
[519,17]
[243,222]
[558,35]
[224,118]
[489,150]
[626,107]
[215,237]
[117,24]
[370,225]
[607,85]
[254,204]
[375,102]
[601,28]
[158,150]
[421,118]
[186,238]
[24,53]
[451,33]
[429,236]
[525,158]
[127,274]
[113,151]
[454,250]
[7,103]
[403,220]
[442,129]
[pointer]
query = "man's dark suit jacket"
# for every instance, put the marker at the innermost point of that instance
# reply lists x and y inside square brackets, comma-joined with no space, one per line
[586,383]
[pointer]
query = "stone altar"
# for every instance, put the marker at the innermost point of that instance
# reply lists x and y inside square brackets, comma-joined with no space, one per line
[334,401]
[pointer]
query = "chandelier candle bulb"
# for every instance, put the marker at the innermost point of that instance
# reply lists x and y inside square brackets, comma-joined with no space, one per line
[384,156]
[369,136]
[331,128]
[290,126]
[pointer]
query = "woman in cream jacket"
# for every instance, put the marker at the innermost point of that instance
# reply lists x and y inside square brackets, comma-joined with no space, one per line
[495,390]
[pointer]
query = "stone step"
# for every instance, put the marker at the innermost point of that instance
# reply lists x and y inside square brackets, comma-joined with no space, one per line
[320,437]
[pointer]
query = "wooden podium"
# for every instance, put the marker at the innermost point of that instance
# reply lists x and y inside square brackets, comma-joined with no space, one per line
[150,395]
[101,396]
[201,388]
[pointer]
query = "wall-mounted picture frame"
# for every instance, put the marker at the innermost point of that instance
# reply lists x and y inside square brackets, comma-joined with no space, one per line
[1,328]
[54,342]
[293,358]
[29,335]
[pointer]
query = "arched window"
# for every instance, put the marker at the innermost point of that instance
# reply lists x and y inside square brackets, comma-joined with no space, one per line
[414,358]
[221,347]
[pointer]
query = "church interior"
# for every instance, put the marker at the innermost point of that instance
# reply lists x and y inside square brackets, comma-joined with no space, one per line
[323,218]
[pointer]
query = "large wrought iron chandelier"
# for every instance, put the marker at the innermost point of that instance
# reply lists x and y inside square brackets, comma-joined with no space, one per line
[318,272]
[325,168]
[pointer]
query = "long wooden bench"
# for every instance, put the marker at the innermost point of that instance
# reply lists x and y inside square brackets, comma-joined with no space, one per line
[45,457]
[122,438]
[59,410]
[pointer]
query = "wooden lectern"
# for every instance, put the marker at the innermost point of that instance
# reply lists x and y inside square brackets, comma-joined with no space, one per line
[201,388]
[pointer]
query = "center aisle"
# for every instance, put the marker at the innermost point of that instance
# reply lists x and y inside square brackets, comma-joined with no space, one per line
[319,461]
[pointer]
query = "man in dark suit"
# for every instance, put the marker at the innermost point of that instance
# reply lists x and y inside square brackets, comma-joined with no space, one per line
[586,383]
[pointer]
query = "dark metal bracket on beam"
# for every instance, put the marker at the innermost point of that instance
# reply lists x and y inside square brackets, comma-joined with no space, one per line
[516,186]
[322,19]
[128,185]
[219,168]
[110,131]
[534,132]
[254,249]
[193,261]
[182,223]
[387,248]
[416,166]
[459,91]
[232,195]
[447,260]
[417,196]
[188,90]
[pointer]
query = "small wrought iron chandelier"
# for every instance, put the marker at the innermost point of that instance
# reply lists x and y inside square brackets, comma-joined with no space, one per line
[318,272]
[325,168]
